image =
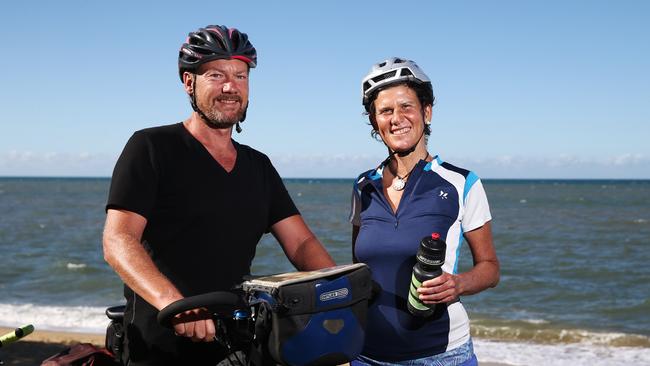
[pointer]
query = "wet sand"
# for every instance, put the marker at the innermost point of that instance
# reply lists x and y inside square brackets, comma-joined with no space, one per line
[36,347]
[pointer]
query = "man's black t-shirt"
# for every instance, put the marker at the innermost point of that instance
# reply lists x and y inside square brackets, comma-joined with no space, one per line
[203,223]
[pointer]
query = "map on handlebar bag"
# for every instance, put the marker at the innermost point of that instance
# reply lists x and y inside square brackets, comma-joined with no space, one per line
[272,282]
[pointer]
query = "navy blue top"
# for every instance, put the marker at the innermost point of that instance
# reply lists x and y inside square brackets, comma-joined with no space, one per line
[438,197]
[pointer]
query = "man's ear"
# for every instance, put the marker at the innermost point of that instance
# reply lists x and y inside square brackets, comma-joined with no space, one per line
[427,114]
[188,81]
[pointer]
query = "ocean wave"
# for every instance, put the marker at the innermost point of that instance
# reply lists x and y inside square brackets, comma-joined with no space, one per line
[528,353]
[542,332]
[499,341]
[84,319]
[76,265]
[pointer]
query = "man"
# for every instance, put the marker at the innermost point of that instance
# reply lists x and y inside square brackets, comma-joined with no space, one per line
[188,205]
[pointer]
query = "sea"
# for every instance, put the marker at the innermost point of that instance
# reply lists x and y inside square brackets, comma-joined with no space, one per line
[575,254]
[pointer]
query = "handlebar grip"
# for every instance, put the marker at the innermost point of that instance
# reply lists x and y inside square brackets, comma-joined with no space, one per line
[207,300]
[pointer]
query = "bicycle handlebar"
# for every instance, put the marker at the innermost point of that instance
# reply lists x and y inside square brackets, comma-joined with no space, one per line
[217,299]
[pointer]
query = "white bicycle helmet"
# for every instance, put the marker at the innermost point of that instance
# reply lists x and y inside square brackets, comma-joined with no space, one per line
[391,71]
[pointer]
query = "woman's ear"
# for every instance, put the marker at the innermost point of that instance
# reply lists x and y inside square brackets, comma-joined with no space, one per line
[427,114]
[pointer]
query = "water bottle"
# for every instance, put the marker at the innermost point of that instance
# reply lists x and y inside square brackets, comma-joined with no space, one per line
[430,257]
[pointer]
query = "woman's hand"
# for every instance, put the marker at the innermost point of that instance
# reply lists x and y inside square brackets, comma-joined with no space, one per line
[445,288]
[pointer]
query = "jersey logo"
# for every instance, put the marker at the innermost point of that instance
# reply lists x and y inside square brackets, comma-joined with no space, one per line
[443,194]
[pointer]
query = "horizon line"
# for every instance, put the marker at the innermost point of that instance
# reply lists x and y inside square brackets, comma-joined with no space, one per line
[320,178]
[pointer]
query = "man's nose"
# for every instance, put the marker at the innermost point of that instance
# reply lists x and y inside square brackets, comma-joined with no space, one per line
[228,87]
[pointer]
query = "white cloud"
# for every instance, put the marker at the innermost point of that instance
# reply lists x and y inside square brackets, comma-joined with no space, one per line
[565,166]
[323,166]
[625,166]
[28,163]
[628,159]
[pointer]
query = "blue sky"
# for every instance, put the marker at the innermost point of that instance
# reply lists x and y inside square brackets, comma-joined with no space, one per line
[552,89]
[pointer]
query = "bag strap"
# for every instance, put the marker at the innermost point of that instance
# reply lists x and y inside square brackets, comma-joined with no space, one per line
[259,354]
[75,353]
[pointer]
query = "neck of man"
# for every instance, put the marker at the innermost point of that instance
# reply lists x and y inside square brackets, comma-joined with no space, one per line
[211,138]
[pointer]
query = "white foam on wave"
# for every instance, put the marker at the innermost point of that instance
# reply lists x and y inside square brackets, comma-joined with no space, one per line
[578,354]
[83,319]
[76,265]
[88,319]
[535,321]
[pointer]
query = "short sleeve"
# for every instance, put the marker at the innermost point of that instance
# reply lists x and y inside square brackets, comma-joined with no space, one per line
[134,181]
[282,205]
[477,209]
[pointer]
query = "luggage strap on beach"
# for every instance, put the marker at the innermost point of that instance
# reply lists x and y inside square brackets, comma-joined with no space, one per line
[82,354]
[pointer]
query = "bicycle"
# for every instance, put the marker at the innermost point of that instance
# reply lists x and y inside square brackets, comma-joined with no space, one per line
[296,319]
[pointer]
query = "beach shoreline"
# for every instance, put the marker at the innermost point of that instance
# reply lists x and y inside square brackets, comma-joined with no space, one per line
[41,344]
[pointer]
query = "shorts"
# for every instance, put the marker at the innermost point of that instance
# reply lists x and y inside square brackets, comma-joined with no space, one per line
[460,356]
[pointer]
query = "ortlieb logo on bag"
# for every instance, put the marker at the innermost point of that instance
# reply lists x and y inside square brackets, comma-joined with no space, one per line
[313,318]
[336,294]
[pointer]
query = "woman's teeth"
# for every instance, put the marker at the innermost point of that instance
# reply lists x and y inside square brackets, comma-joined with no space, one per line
[401,131]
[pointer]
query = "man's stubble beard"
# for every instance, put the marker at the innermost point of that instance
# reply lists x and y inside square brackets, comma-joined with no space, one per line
[220,120]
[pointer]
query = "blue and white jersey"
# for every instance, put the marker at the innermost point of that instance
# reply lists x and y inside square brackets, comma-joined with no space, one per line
[438,197]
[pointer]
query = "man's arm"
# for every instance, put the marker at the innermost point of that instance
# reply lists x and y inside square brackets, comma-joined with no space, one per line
[125,254]
[300,245]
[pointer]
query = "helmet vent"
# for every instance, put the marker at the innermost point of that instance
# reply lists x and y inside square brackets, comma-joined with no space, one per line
[196,41]
[387,75]
[405,72]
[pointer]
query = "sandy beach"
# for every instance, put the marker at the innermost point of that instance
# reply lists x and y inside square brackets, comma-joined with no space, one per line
[36,347]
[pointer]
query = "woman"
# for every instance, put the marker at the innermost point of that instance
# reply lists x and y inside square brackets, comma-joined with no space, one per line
[411,195]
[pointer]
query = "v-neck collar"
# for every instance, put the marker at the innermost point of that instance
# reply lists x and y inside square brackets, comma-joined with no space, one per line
[375,178]
[207,155]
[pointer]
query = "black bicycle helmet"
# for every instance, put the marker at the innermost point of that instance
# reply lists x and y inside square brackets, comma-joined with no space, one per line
[214,42]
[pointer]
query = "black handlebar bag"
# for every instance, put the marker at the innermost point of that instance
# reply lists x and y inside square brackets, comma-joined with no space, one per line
[311,318]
